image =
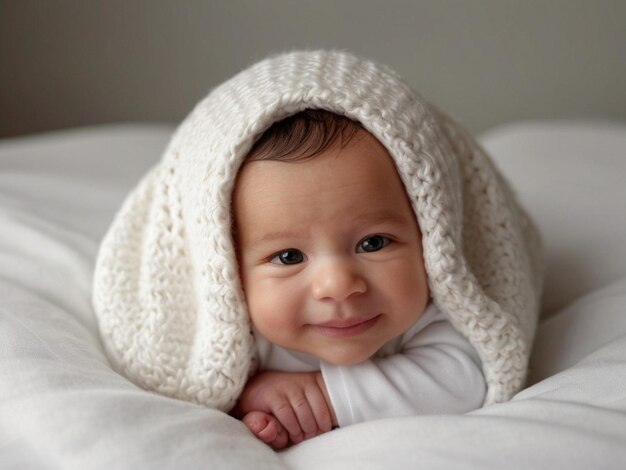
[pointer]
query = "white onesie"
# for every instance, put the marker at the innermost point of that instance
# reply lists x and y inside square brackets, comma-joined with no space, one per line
[430,369]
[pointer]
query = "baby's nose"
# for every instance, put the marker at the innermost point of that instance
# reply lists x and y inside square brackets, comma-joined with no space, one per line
[337,280]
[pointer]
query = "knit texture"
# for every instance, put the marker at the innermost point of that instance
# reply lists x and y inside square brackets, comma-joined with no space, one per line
[169,302]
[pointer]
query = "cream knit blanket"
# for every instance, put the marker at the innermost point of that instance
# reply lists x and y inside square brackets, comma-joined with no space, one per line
[166,290]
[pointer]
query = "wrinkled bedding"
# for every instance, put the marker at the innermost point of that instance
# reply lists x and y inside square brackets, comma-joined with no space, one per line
[62,406]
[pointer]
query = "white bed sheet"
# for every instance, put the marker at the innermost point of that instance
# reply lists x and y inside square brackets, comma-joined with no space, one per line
[61,406]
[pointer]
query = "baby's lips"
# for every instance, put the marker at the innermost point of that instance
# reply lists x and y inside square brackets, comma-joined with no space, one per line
[346,322]
[347,327]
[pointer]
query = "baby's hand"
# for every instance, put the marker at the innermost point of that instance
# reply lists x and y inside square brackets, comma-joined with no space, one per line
[267,428]
[297,400]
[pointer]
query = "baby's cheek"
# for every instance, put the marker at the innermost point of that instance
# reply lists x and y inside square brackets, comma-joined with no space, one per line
[409,288]
[273,307]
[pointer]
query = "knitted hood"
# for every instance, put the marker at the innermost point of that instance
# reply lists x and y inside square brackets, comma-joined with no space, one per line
[170,306]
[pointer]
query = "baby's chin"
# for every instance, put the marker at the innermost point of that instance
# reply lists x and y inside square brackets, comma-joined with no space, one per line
[346,356]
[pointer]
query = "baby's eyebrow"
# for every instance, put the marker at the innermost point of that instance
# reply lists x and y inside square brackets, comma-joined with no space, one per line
[373,218]
[271,236]
[387,217]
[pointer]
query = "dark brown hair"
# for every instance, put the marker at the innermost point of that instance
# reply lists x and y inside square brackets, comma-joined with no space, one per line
[302,136]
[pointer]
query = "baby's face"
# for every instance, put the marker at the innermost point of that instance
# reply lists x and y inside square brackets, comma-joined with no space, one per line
[330,252]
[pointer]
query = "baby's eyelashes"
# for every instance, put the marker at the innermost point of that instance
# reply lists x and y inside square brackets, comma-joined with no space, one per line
[372,243]
[292,256]
[288,257]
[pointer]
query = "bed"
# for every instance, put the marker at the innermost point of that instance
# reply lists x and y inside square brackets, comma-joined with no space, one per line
[62,406]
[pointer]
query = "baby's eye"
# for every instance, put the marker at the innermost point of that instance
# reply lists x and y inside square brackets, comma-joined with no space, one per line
[372,243]
[291,256]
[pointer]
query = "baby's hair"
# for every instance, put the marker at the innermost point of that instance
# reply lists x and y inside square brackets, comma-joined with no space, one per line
[302,136]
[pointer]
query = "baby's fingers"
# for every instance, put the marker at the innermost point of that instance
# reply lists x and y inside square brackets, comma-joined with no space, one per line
[267,428]
[285,414]
[321,411]
[304,413]
[262,425]
[281,441]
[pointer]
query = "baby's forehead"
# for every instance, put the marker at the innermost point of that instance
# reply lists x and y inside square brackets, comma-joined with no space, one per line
[336,184]
[362,150]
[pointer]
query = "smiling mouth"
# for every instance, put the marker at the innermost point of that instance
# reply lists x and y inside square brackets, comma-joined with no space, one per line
[348,327]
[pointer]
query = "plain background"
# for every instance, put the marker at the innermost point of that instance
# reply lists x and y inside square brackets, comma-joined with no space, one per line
[68,63]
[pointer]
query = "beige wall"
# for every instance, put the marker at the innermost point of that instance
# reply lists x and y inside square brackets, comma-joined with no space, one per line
[71,63]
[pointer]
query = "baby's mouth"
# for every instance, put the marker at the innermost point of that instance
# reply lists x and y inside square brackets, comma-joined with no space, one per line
[347,326]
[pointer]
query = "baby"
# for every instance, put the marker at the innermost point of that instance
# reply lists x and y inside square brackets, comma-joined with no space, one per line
[320,246]
[331,264]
